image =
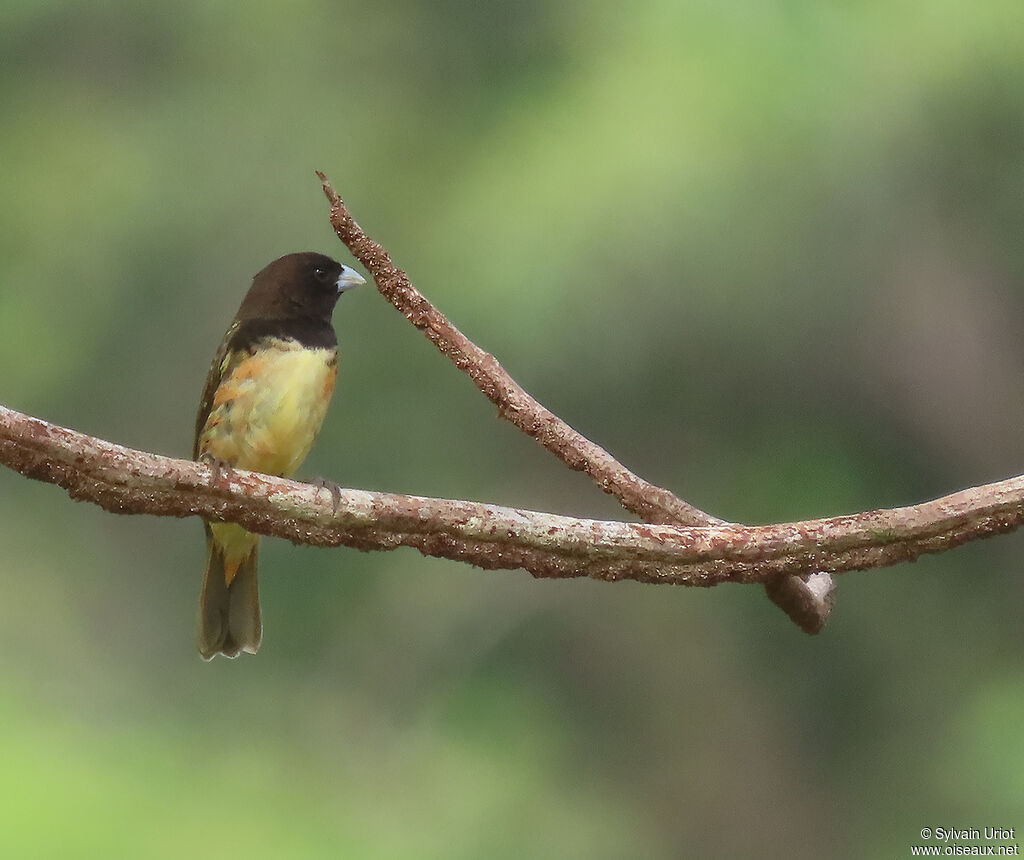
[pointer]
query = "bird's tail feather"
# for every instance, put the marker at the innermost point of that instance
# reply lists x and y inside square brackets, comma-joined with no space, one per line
[229,615]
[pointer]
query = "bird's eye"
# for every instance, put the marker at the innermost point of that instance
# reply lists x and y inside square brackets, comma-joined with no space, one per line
[319,273]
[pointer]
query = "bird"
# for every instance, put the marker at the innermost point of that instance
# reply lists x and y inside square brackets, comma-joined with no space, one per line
[265,398]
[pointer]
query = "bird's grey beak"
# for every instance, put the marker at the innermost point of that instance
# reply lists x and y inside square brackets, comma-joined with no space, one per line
[349,278]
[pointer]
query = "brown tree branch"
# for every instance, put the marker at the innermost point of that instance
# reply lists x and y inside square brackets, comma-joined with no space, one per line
[649,502]
[126,481]
[801,602]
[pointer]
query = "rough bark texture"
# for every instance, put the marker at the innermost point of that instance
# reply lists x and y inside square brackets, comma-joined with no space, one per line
[649,502]
[794,595]
[126,481]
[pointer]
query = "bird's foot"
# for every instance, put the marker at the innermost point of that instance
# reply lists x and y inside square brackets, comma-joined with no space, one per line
[332,488]
[219,468]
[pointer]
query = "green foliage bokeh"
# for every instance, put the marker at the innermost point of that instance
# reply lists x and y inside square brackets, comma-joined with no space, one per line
[768,254]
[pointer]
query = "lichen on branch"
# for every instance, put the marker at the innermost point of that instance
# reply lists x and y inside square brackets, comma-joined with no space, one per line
[126,481]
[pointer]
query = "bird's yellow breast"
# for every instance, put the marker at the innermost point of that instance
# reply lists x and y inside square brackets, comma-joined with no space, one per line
[268,407]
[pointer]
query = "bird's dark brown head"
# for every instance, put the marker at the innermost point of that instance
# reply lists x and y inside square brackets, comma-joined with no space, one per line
[302,286]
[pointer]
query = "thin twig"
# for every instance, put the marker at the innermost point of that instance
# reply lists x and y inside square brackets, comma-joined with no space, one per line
[653,504]
[649,502]
[127,481]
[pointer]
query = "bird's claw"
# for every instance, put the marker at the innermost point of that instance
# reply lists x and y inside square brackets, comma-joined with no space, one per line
[332,488]
[219,468]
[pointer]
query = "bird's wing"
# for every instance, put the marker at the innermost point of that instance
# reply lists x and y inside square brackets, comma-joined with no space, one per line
[220,368]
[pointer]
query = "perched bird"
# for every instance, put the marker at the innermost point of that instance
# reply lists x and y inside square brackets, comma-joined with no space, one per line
[264,401]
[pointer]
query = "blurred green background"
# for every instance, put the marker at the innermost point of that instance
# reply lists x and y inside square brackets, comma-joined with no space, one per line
[767,253]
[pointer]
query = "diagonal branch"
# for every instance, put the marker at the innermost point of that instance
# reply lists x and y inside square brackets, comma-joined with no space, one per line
[649,502]
[126,481]
[807,605]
